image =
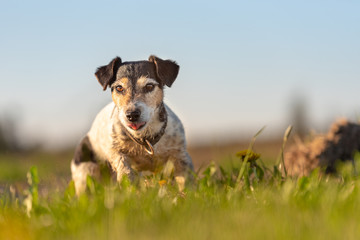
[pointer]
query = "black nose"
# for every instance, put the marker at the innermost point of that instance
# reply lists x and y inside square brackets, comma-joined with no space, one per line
[133,116]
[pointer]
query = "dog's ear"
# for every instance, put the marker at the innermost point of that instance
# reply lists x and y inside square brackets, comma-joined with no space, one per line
[106,74]
[166,70]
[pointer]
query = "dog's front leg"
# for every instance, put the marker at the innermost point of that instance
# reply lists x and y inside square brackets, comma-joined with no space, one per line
[84,164]
[183,168]
[121,165]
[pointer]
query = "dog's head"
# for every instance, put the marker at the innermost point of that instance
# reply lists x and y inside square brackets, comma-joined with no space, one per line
[137,90]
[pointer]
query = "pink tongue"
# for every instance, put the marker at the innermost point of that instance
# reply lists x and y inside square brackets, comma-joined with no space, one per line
[136,126]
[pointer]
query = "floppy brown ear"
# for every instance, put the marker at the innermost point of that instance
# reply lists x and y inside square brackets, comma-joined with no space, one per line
[166,70]
[106,74]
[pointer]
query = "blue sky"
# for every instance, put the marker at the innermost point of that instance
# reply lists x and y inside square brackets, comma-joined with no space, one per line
[241,62]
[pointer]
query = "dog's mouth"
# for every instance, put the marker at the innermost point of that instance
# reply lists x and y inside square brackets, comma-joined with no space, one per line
[136,126]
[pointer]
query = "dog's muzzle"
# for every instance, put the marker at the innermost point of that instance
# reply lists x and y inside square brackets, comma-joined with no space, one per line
[133,116]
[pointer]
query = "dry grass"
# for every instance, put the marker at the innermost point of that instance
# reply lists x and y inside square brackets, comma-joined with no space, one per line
[323,150]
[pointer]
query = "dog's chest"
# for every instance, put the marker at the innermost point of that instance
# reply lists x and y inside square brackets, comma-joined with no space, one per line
[137,156]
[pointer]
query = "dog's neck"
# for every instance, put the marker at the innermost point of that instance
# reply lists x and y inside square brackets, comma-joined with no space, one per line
[149,136]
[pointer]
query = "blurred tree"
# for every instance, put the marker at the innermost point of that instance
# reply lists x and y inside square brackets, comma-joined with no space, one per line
[299,115]
[3,144]
[8,139]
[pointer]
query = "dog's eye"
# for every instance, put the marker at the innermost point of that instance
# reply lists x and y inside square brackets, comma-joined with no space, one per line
[149,87]
[119,89]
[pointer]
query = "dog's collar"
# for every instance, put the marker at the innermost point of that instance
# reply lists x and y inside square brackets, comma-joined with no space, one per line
[148,143]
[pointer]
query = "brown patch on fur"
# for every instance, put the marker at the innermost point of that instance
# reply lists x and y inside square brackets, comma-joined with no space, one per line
[152,99]
[340,143]
[122,99]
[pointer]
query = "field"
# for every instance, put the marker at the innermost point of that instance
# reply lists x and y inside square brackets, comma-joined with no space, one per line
[231,197]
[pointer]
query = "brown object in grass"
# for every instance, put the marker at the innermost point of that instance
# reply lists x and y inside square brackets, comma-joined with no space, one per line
[340,143]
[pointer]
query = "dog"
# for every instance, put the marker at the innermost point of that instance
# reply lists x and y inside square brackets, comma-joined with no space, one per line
[137,131]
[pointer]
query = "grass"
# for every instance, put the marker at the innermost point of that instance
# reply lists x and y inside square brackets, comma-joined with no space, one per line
[218,204]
